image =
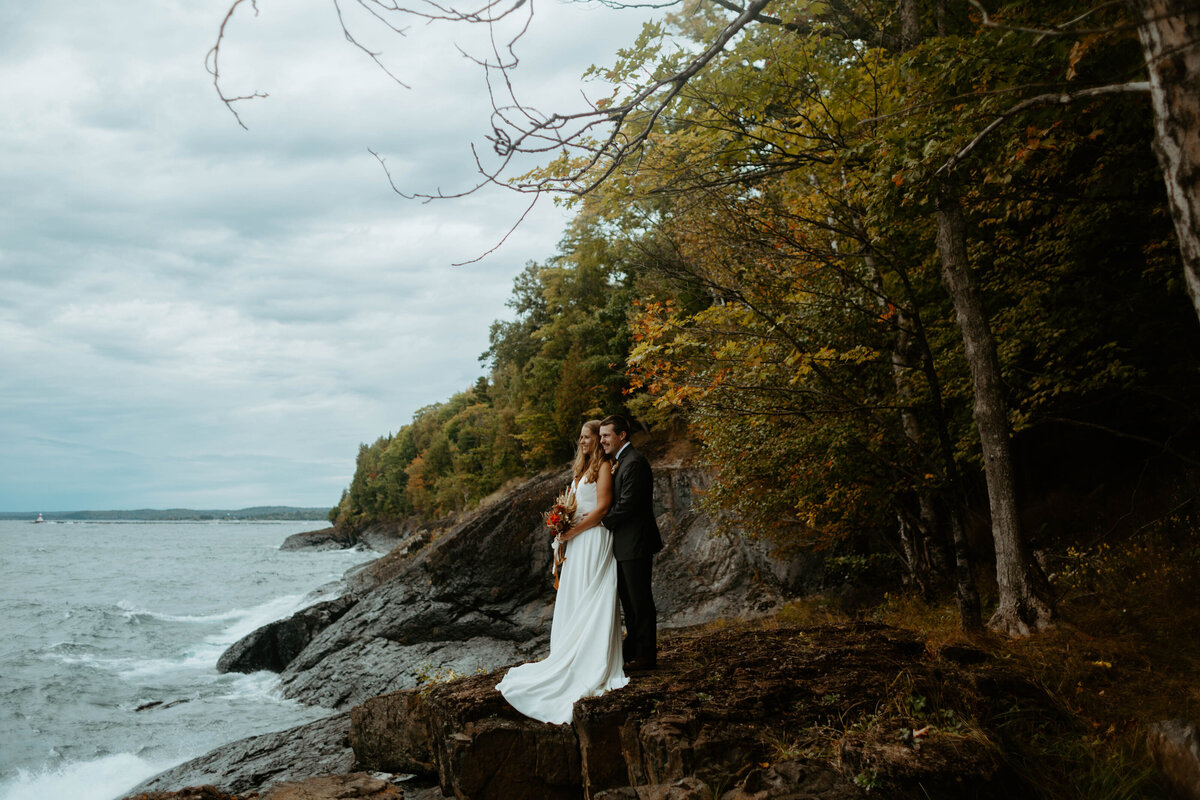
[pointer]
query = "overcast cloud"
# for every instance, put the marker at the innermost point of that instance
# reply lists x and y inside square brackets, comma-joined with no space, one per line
[192,314]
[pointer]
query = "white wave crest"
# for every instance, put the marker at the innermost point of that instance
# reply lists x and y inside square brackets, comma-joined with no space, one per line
[201,656]
[244,620]
[101,779]
[252,619]
[130,610]
[257,687]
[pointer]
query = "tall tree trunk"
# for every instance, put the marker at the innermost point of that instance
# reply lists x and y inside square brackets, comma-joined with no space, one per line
[1025,604]
[913,561]
[910,24]
[1170,34]
[926,521]
[912,336]
[966,595]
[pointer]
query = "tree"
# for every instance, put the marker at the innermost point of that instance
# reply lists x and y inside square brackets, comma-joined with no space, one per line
[1169,33]
[599,145]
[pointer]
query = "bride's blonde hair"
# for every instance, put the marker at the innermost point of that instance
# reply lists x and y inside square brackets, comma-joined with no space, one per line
[586,465]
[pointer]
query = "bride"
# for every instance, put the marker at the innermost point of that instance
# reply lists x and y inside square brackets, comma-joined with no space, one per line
[585,635]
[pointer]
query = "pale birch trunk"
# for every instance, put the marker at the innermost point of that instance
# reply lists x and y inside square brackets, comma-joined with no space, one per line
[1170,34]
[1025,605]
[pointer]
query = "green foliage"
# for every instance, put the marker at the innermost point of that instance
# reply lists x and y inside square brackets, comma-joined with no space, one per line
[766,272]
[561,361]
[867,780]
[792,304]
[556,365]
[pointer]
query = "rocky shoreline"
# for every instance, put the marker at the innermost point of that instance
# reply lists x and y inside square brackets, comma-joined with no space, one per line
[460,597]
[741,707]
[750,710]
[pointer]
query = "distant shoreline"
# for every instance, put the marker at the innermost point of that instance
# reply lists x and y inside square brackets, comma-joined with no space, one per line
[258,513]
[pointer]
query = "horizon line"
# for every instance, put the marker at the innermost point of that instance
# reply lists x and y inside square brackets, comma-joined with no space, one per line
[145,509]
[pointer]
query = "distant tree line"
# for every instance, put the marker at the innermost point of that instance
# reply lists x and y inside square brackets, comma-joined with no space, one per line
[178,514]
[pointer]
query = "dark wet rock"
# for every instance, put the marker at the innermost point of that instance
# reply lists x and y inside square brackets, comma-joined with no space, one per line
[391,733]
[255,763]
[1175,746]
[273,646]
[160,705]
[719,712]
[324,539]
[354,786]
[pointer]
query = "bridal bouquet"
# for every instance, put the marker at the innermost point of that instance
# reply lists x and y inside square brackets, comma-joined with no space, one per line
[558,520]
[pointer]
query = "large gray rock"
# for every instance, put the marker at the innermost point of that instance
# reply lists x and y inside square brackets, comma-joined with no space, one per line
[474,597]
[324,539]
[701,574]
[385,536]
[273,646]
[251,765]
[1175,746]
[477,595]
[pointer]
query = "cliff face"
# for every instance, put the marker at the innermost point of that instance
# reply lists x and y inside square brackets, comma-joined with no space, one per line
[478,595]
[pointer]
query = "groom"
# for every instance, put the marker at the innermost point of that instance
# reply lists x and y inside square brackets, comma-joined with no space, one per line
[635,541]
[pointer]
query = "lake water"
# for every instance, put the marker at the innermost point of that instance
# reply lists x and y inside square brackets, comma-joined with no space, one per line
[98,619]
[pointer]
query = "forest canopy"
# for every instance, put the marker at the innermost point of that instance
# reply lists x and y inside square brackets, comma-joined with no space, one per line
[886,331]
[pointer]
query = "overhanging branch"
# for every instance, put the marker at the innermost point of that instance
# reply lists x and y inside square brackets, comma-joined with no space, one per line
[1055,98]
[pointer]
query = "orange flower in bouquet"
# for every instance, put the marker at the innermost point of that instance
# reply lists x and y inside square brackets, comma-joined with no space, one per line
[558,520]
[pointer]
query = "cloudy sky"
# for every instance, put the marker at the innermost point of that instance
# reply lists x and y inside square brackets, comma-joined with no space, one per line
[193,314]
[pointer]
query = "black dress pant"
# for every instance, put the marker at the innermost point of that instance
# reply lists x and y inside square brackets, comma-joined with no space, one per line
[637,605]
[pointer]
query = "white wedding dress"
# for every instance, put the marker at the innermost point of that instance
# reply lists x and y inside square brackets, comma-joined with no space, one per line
[585,636]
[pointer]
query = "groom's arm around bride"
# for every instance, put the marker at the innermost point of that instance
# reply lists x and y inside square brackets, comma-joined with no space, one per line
[635,541]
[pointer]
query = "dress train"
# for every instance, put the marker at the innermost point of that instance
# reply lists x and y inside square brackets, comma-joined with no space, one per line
[585,634]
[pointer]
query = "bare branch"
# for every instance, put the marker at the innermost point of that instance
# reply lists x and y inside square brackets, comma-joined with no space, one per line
[504,239]
[767,19]
[1057,98]
[617,4]
[1058,30]
[617,146]
[373,55]
[212,64]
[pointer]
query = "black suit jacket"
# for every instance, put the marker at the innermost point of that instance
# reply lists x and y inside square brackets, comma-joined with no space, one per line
[631,515]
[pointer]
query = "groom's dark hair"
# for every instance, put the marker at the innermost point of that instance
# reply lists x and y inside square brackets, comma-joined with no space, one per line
[618,422]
